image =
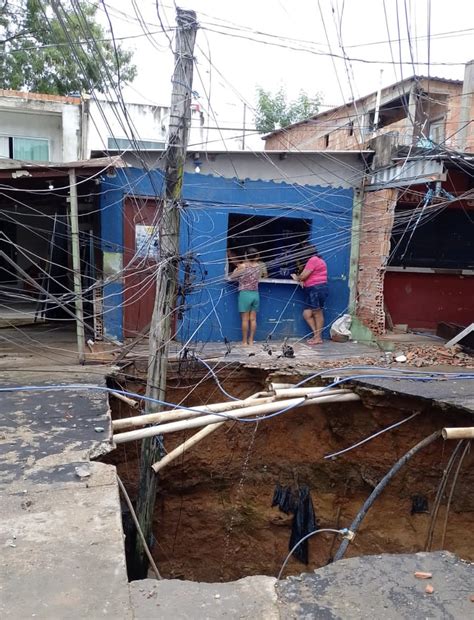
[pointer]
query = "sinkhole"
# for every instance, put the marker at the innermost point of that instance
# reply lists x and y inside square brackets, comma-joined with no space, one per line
[214,519]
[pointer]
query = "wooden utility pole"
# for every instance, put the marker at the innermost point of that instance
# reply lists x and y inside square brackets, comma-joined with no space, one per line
[76,264]
[167,276]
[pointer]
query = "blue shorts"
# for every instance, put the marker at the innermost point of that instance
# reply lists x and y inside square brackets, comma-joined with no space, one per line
[315,296]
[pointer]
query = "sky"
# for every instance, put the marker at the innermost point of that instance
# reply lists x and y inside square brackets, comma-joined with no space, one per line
[342,46]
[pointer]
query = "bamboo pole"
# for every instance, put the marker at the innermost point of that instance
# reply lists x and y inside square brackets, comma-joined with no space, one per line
[460,432]
[255,410]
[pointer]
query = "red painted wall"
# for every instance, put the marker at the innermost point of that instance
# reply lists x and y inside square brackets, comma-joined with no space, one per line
[425,299]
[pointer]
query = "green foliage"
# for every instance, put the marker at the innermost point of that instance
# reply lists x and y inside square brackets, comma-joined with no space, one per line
[58,48]
[274,111]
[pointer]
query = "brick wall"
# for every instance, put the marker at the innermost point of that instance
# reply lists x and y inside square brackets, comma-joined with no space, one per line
[441,98]
[376,227]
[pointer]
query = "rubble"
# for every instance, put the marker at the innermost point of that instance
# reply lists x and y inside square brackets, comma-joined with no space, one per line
[436,355]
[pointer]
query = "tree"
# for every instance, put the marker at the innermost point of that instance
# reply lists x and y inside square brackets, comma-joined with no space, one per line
[54,47]
[274,111]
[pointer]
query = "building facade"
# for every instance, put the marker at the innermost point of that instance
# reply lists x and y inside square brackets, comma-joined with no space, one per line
[413,227]
[234,201]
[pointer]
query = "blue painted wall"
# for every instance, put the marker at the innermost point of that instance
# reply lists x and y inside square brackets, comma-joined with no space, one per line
[210,312]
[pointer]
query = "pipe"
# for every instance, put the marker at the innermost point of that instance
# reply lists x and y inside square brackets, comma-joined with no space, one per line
[189,443]
[125,399]
[451,493]
[173,415]
[186,445]
[192,441]
[204,420]
[461,432]
[377,106]
[380,487]
[281,386]
[242,412]
[295,392]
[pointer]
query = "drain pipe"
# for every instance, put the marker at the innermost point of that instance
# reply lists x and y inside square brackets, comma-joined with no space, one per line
[182,414]
[257,410]
[189,443]
[461,432]
[380,487]
[261,398]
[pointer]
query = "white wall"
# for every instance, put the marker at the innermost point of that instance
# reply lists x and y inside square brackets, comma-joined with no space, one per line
[55,121]
[326,169]
[107,120]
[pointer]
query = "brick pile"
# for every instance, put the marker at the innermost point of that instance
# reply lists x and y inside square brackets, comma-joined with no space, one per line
[436,355]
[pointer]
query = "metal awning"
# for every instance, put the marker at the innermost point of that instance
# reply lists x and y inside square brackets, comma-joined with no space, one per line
[406,173]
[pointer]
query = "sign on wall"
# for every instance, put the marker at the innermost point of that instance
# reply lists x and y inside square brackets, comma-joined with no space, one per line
[146,242]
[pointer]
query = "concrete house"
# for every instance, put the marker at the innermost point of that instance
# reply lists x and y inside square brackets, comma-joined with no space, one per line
[231,200]
[413,228]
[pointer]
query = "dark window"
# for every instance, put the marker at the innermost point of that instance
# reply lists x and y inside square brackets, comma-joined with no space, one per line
[442,240]
[351,128]
[326,140]
[277,240]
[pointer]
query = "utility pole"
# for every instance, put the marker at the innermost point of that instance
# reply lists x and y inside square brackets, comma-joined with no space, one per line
[76,264]
[167,276]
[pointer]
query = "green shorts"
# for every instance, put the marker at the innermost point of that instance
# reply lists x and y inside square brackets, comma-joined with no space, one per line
[249,301]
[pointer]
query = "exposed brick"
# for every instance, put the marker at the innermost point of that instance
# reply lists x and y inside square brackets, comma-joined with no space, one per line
[376,225]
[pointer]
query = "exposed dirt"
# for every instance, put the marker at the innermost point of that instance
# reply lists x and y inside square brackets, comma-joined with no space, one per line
[213,519]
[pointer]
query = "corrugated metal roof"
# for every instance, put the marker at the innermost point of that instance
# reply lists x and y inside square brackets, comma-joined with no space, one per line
[408,172]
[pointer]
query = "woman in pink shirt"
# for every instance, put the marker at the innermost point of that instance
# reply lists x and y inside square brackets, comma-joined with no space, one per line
[314,279]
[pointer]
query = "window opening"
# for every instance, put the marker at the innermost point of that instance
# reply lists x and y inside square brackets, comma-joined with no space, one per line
[326,140]
[436,130]
[277,240]
[442,240]
[29,149]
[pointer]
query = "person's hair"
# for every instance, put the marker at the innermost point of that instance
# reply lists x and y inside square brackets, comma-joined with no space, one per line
[252,254]
[308,250]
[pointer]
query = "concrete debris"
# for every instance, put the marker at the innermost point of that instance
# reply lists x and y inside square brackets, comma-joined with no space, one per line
[83,471]
[429,589]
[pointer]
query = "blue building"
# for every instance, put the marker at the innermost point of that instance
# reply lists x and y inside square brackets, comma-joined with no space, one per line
[272,201]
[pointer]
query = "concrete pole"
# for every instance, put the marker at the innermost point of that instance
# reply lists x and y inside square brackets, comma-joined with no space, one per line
[167,277]
[76,264]
[465,126]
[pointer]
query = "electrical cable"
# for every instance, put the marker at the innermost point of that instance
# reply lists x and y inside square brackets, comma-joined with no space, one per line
[360,443]
[343,532]
[380,487]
